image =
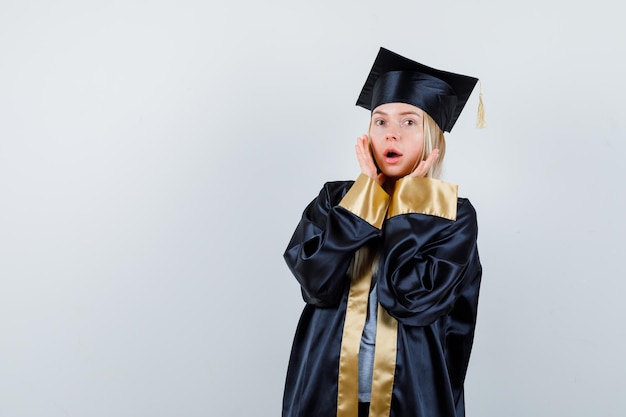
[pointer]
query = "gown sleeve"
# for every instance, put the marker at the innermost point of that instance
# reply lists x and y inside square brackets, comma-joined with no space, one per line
[333,226]
[429,251]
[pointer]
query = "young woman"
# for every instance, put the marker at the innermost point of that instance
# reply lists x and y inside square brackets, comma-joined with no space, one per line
[388,264]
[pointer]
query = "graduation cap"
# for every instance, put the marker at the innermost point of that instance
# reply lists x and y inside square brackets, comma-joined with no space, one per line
[396,79]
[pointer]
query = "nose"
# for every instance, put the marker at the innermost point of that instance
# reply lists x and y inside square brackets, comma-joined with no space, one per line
[392,132]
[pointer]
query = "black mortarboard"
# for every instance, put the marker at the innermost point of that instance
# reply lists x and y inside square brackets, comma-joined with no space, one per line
[394,79]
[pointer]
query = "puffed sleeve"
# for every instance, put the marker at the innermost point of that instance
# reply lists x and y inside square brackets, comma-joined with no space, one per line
[429,251]
[339,221]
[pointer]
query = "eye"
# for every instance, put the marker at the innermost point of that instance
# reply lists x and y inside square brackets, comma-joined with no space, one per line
[409,122]
[379,122]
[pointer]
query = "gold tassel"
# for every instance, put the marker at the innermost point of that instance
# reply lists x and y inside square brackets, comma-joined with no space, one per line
[481,123]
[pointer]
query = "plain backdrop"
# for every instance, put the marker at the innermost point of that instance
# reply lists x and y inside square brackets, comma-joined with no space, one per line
[155,157]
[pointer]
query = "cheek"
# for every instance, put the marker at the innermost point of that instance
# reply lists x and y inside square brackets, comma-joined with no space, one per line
[375,148]
[418,146]
[373,132]
[375,140]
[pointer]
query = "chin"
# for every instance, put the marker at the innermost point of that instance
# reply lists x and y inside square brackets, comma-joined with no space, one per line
[395,175]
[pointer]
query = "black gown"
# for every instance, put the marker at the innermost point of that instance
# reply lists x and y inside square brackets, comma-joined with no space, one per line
[427,282]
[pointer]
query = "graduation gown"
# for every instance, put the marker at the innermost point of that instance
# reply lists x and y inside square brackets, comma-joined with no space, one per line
[427,284]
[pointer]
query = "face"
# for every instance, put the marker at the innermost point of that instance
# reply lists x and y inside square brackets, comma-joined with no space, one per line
[397,138]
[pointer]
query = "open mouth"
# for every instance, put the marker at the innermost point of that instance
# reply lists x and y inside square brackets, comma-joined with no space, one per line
[392,155]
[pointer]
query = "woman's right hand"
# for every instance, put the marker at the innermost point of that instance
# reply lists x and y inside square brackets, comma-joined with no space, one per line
[366,160]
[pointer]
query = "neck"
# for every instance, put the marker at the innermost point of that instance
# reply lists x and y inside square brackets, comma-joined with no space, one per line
[389,185]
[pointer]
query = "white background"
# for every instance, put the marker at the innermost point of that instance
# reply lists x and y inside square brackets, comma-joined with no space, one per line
[155,157]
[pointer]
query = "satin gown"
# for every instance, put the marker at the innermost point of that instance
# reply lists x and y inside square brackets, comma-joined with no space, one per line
[428,279]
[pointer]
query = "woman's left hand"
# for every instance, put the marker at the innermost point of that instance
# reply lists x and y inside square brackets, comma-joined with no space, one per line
[424,166]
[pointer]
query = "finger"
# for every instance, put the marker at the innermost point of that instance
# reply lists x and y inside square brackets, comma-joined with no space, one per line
[433,156]
[362,149]
[363,143]
[430,161]
[419,171]
[425,165]
[364,156]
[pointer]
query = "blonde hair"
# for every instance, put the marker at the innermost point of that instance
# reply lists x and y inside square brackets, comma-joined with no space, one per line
[365,261]
[433,139]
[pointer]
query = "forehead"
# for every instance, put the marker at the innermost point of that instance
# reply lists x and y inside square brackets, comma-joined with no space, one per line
[398,108]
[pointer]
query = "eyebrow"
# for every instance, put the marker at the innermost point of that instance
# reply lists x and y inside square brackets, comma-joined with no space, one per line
[404,113]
